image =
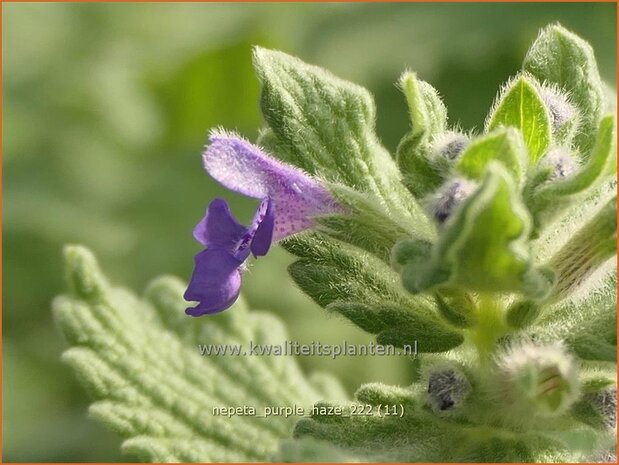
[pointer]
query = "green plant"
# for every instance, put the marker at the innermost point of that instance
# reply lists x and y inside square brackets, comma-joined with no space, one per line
[492,252]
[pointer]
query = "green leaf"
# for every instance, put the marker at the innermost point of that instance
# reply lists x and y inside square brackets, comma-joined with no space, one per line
[504,145]
[427,111]
[140,360]
[325,125]
[548,199]
[522,314]
[572,217]
[365,290]
[367,224]
[558,56]
[600,162]
[587,323]
[485,247]
[421,172]
[595,381]
[457,310]
[585,410]
[520,106]
[309,450]
[598,404]
[587,250]
[414,434]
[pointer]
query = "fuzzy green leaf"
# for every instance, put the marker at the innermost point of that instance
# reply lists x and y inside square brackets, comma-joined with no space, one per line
[522,314]
[587,323]
[141,362]
[325,125]
[485,247]
[586,251]
[571,218]
[548,199]
[421,172]
[521,107]
[367,224]
[427,111]
[414,434]
[560,57]
[600,162]
[365,290]
[457,310]
[504,145]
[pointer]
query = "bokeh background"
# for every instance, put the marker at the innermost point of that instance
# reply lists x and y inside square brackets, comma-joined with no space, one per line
[105,110]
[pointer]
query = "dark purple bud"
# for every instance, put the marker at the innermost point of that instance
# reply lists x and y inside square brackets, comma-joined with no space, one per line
[559,162]
[605,402]
[448,197]
[449,145]
[560,109]
[447,389]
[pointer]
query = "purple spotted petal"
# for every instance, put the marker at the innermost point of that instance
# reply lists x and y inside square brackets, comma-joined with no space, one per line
[219,228]
[245,168]
[262,226]
[215,283]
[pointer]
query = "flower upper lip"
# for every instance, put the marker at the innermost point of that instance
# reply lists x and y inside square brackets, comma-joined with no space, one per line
[247,169]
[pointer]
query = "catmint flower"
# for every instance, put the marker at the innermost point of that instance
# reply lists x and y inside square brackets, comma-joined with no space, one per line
[289,199]
[216,280]
[447,388]
[449,145]
[442,203]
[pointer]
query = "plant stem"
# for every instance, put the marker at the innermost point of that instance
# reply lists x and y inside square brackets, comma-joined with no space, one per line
[490,325]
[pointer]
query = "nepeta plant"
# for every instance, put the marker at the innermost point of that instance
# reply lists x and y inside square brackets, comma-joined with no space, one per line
[493,251]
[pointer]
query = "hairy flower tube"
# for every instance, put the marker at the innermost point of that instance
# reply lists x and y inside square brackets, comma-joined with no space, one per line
[289,199]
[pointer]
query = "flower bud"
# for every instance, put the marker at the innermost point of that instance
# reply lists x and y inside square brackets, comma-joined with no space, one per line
[560,109]
[447,389]
[449,145]
[448,197]
[538,379]
[605,403]
[559,163]
[609,456]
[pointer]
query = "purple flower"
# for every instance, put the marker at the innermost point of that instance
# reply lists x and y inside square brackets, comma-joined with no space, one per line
[289,201]
[216,278]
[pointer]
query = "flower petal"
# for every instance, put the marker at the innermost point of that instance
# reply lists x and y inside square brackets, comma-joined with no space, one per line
[262,225]
[215,282]
[219,228]
[246,169]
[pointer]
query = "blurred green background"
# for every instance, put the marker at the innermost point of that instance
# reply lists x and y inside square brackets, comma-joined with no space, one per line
[105,110]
